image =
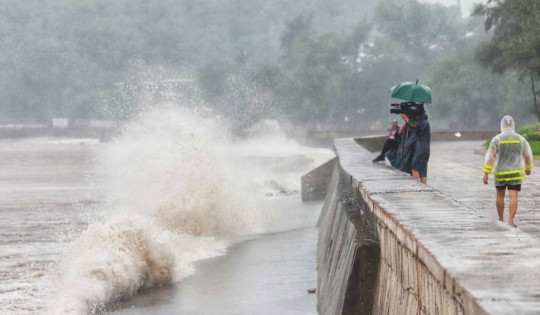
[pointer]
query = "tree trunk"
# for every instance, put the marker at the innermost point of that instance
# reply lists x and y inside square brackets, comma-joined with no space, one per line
[534,97]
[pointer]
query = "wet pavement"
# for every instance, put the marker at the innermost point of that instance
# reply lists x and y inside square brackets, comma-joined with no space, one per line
[456,170]
[452,225]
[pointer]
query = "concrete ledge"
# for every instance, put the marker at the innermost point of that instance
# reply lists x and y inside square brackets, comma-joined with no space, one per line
[437,256]
[348,251]
[374,143]
[25,131]
[315,183]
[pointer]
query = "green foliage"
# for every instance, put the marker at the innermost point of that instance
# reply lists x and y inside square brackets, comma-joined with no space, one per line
[530,132]
[516,34]
[423,32]
[535,147]
[471,97]
[343,80]
[515,41]
[58,57]
[320,63]
[314,68]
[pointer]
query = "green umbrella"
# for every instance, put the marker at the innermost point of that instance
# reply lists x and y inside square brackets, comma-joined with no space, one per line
[412,92]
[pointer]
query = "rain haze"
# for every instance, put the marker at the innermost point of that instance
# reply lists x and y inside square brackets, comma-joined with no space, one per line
[466,5]
[151,151]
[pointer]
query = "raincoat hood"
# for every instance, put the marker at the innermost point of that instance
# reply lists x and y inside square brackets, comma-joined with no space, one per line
[507,124]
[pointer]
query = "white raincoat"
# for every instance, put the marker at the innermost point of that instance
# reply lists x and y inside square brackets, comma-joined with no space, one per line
[509,154]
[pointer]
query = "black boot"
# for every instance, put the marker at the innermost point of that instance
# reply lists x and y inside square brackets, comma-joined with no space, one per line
[379,158]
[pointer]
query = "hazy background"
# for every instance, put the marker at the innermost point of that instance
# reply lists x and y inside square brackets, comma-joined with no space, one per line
[313,64]
[466,5]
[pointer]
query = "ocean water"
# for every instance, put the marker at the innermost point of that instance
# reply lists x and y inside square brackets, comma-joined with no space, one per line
[48,196]
[86,224]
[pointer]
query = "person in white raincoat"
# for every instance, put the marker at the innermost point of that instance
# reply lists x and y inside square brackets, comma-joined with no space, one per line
[510,156]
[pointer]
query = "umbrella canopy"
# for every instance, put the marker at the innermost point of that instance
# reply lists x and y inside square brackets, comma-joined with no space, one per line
[412,92]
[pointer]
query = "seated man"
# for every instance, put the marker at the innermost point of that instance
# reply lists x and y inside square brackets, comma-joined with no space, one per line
[390,143]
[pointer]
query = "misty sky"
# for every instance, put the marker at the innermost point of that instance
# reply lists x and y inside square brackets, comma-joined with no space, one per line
[466,5]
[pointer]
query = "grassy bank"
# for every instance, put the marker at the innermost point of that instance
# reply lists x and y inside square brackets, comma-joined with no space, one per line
[532,134]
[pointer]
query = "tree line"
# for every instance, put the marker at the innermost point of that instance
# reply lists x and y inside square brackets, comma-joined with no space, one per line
[319,64]
[58,57]
[342,80]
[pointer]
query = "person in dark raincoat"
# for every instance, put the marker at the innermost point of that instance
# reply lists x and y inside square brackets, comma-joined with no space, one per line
[414,151]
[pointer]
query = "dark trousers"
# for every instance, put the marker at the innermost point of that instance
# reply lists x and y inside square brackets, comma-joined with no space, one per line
[388,145]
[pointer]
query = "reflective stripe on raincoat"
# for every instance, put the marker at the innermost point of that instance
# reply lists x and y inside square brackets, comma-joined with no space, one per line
[509,155]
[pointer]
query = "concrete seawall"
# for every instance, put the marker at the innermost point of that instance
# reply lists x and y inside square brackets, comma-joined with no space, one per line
[29,131]
[348,251]
[390,245]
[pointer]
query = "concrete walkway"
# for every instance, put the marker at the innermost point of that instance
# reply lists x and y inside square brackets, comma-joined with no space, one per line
[454,227]
[456,170]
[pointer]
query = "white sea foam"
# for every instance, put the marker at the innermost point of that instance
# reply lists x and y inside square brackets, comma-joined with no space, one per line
[175,195]
[178,190]
[181,169]
[285,159]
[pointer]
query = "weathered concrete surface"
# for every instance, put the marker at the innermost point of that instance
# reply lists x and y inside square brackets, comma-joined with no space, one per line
[481,135]
[374,143]
[508,262]
[442,249]
[456,171]
[315,183]
[348,251]
[326,138]
[27,131]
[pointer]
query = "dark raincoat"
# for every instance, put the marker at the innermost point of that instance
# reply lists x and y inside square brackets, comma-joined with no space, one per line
[414,151]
